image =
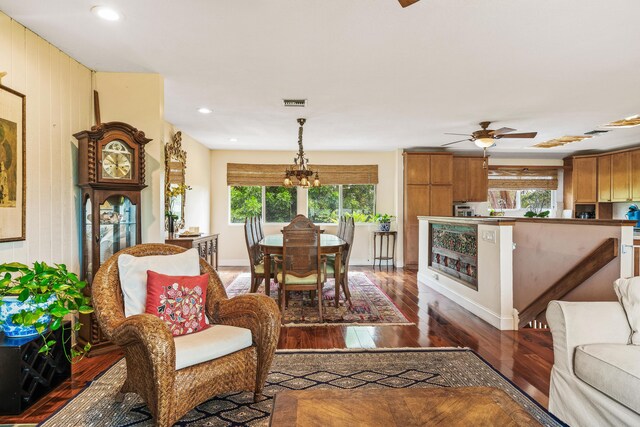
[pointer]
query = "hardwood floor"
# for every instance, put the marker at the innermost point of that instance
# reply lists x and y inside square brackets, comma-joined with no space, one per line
[525,357]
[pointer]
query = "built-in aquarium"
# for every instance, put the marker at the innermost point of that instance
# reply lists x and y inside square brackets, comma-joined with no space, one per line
[454,251]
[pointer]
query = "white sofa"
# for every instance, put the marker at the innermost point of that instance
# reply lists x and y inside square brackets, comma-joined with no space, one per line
[595,380]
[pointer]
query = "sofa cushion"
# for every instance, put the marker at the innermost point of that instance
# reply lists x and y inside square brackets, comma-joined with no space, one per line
[613,369]
[133,275]
[628,291]
[214,342]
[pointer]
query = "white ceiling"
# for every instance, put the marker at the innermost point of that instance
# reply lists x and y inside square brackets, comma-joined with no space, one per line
[377,76]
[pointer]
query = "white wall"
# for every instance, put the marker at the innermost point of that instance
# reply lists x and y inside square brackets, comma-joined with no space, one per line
[59,103]
[232,243]
[197,211]
[138,99]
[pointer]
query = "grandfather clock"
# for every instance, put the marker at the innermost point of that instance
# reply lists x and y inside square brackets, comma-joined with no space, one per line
[111,175]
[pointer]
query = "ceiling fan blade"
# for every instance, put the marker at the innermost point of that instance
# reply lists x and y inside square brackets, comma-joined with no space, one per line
[502,131]
[405,3]
[455,142]
[461,134]
[517,135]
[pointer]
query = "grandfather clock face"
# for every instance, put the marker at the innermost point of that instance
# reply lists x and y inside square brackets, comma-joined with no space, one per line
[117,161]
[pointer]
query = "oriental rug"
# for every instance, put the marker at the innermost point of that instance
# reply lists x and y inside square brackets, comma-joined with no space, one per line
[369,304]
[298,370]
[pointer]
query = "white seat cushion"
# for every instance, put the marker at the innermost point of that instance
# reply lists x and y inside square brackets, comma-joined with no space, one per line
[212,343]
[613,369]
[133,275]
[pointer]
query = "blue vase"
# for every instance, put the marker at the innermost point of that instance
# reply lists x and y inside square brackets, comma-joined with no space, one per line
[385,226]
[12,306]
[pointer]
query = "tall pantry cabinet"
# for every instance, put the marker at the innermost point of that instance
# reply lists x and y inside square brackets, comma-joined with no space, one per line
[428,190]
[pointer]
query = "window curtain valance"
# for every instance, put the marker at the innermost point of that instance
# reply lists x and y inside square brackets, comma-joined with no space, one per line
[260,174]
[523,178]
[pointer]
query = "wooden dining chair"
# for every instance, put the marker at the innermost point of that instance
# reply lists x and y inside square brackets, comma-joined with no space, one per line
[341,225]
[301,267]
[348,234]
[256,261]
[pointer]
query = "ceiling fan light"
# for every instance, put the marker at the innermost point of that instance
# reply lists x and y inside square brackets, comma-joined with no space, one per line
[484,142]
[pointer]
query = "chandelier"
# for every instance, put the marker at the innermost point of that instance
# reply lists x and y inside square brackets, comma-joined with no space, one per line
[300,168]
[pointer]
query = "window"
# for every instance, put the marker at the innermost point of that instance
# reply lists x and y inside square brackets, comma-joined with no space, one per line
[244,202]
[501,200]
[280,204]
[327,203]
[359,201]
[324,203]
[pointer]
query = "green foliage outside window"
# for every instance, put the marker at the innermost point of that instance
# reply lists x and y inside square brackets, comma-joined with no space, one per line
[359,201]
[281,204]
[245,202]
[324,203]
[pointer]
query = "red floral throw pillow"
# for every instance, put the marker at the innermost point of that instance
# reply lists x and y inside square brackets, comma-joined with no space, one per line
[178,300]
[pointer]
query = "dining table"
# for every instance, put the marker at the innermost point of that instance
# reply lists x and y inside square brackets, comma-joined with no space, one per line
[329,244]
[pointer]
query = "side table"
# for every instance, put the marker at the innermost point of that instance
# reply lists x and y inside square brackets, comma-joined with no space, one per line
[28,375]
[387,239]
[207,246]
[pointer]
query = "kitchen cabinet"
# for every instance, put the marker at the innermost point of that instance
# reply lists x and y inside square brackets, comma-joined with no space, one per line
[470,179]
[441,200]
[584,179]
[417,168]
[621,177]
[635,175]
[428,190]
[604,178]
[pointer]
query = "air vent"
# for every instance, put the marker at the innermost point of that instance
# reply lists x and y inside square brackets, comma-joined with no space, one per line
[596,132]
[294,102]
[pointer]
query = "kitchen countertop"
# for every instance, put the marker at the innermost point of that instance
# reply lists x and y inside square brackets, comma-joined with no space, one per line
[505,220]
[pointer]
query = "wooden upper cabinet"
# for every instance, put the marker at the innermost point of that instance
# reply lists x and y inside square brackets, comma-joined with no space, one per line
[584,179]
[460,179]
[621,177]
[635,175]
[478,180]
[604,178]
[441,169]
[417,168]
[470,179]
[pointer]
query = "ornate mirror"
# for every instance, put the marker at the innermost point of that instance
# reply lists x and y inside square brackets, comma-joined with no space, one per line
[175,188]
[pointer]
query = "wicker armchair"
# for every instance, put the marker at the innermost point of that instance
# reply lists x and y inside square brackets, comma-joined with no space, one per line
[150,350]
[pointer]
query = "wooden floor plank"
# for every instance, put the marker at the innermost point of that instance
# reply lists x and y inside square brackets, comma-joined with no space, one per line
[525,357]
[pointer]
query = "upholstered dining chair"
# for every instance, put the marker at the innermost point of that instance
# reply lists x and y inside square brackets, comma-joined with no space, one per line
[256,261]
[154,357]
[348,233]
[301,266]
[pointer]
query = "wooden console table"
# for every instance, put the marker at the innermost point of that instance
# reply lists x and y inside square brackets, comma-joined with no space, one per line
[207,246]
[454,406]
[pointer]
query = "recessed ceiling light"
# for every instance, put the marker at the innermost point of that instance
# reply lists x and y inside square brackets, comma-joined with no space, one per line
[106,13]
[233,139]
[204,110]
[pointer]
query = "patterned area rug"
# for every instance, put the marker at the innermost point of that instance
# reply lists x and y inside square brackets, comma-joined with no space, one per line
[369,304]
[297,370]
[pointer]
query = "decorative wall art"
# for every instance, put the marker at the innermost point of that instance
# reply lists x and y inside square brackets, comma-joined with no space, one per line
[454,251]
[12,165]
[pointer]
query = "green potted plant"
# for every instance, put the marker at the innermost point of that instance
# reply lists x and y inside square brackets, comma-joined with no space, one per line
[384,221]
[35,301]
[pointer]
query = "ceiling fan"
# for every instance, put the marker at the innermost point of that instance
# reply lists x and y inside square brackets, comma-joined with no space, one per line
[485,138]
[405,3]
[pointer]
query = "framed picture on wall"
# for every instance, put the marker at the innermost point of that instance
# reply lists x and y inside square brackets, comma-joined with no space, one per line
[12,165]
